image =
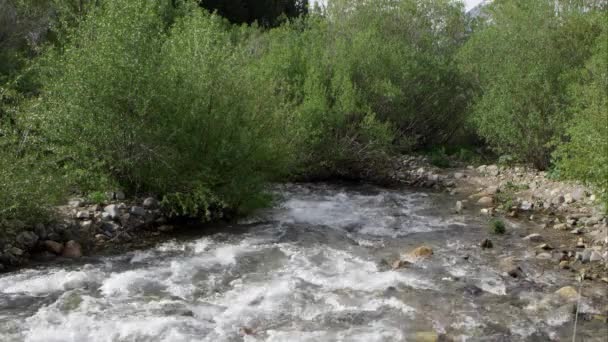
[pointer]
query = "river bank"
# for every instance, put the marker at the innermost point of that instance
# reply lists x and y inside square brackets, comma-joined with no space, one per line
[570,228]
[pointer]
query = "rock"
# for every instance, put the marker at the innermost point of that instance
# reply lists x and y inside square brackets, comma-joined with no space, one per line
[558,200]
[493,170]
[459,175]
[112,210]
[567,293]
[459,207]
[101,237]
[560,226]
[122,206]
[568,199]
[491,190]
[472,290]
[584,256]
[543,256]
[110,226]
[165,228]
[119,195]
[427,336]
[564,264]
[534,238]
[544,246]
[53,246]
[40,231]
[106,216]
[16,251]
[138,211]
[398,264]
[486,211]
[482,169]
[87,224]
[72,249]
[580,243]
[421,252]
[485,201]
[526,206]
[576,231]
[83,215]
[76,203]
[509,267]
[595,256]
[27,239]
[150,203]
[487,243]
[578,194]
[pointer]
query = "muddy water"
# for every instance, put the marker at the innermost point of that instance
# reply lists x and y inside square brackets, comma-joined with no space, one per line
[314,268]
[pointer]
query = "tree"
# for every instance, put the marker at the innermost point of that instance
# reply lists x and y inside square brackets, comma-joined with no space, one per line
[267,13]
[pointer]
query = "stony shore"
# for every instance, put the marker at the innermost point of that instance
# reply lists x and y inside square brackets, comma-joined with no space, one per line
[570,229]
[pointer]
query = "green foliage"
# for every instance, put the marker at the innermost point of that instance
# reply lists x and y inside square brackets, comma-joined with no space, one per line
[439,157]
[521,60]
[497,226]
[584,154]
[268,13]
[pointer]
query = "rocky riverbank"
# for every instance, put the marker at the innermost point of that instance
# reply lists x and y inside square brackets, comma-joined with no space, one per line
[571,227]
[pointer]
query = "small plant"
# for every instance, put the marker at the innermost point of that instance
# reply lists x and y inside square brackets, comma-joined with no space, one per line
[439,158]
[497,226]
[97,197]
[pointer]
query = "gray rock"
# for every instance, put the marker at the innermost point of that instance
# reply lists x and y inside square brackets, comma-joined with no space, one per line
[558,200]
[544,246]
[459,207]
[584,256]
[119,195]
[113,211]
[41,231]
[493,170]
[485,201]
[72,249]
[576,231]
[27,239]
[76,202]
[560,226]
[568,199]
[16,251]
[595,256]
[122,206]
[534,238]
[150,203]
[578,194]
[106,216]
[83,215]
[509,266]
[525,205]
[138,211]
[491,190]
[544,256]
[110,226]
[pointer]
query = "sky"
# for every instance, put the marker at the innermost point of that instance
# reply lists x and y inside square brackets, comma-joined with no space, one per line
[468,3]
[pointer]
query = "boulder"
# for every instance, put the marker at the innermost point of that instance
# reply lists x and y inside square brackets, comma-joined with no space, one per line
[150,203]
[485,201]
[53,246]
[113,211]
[138,211]
[421,252]
[72,249]
[27,239]
[83,215]
[567,293]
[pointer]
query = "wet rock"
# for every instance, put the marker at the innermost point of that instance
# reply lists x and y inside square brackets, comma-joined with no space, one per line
[472,290]
[138,211]
[459,207]
[27,239]
[150,203]
[534,238]
[83,215]
[595,256]
[399,264]
[567,293]
[112,210]
[544,256]
[72,249]
[485,201]
[53,246]
[421,252]
[509,267]
[487,243]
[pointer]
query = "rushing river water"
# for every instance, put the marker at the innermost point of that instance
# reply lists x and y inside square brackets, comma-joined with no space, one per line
[314,268]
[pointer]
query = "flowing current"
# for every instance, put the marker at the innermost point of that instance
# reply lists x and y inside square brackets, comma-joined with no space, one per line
[316,267]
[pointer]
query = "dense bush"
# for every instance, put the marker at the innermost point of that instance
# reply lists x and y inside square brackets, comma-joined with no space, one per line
[521,61]
[584,155]
[158,109]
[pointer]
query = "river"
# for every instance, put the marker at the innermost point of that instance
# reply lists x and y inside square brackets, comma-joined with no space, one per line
[316,267]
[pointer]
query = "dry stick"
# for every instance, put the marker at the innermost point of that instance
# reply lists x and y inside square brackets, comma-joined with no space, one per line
[578,303]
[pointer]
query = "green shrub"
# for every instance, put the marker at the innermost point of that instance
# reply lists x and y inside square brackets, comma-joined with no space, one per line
[584,153]
[169,110]
[521,61]
[497,226]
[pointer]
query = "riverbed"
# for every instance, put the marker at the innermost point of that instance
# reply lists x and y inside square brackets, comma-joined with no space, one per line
[315,267]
